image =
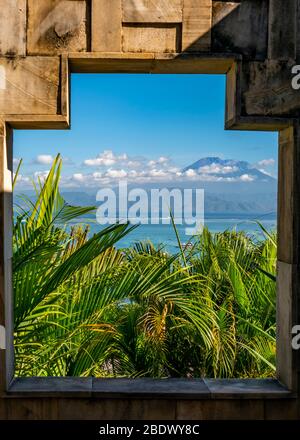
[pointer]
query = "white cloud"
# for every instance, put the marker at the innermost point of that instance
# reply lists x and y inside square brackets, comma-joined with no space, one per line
[190,173]
[158,173]
[22,179]
[116,174]
[247,178]
[107,158]
[97,176]
[174,170]
[134,164]
[162,160]
[111,167]
[41,175]
[154,175]
[266,162]
[79,177]
[44,159]
[217,169]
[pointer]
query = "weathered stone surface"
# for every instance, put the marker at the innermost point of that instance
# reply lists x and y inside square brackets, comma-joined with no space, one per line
[196,26]
[168,388]
[240,27]
[232,95]
[267,89]
[284,323]
[286,179]
[45,386]
[282,29]
[298,32]
[2,225]
[150,39]
[152,11]
[104,62]
[13,27]
[246,389]
[6,315]
[30,86]
[288,280]
[56,26]
[106,25]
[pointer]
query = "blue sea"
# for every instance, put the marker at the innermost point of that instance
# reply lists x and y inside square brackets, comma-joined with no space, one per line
[164,234]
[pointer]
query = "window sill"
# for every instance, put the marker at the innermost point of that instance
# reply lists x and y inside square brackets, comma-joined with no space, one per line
[149,388]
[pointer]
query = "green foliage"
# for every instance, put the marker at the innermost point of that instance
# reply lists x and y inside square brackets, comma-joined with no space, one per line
[85,308]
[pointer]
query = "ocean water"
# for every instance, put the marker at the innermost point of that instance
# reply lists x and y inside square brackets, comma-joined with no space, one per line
[164,234]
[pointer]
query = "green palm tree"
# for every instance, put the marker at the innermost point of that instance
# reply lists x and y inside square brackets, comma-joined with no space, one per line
[51,265]
[85,308]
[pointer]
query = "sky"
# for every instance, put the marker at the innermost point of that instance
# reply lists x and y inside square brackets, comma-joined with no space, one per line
[143,128]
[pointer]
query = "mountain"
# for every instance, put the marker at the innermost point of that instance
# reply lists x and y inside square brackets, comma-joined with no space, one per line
[229,168]
[239,204]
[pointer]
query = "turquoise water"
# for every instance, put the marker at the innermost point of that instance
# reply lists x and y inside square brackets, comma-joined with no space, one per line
[165,235]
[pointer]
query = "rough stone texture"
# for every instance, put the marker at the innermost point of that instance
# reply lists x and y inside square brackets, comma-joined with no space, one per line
[284,324]
[150,39]
[298,32]
[168,388]
[267,89]
[2,271]
[282,29]
[6,316]
[56,26]
[152,11]
[286,178]
[251,388]
[196,26]
[137,62]
[240,27]
[30,86]
[56,386]
[106,25]
[147,388]
[13,27]
[288,284]
[232,95]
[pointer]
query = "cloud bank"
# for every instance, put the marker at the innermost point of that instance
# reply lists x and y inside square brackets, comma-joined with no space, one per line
[107,168]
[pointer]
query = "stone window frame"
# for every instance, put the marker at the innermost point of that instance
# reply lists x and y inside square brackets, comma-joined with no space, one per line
[285,385]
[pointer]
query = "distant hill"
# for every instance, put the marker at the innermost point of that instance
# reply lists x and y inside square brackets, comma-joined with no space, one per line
[257,203]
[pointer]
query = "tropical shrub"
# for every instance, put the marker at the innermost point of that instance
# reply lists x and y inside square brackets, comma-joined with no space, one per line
[83,307]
